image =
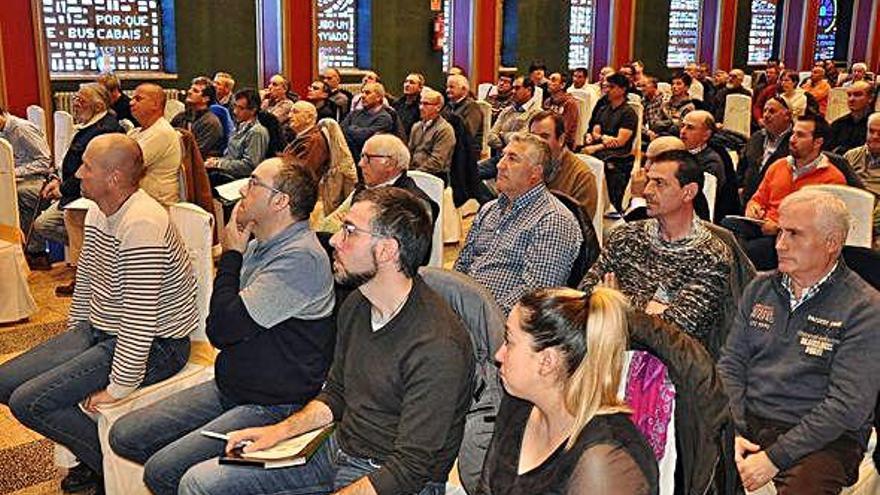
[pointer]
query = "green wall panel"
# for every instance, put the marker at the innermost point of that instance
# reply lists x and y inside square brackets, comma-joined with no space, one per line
[652,37]
[543,33]
[402,39]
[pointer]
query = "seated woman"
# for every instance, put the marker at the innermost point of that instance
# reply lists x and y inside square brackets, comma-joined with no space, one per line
[562,429]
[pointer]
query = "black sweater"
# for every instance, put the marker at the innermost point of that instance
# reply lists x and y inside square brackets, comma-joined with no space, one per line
[400,394]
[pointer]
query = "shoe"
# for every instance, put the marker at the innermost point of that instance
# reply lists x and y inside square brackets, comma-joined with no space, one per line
[65,290]
[80,478]
[39,262]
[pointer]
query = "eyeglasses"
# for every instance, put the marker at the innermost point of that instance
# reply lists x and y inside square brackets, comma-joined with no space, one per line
[255,182]
[349,229]
[369,158]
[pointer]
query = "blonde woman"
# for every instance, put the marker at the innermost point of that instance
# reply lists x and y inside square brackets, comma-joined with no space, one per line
[562,428]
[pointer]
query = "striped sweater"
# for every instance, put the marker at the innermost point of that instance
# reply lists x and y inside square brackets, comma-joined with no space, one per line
[134,281]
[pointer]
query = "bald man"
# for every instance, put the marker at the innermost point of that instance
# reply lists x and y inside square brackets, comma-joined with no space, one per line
[159,143]
[309,146]
[849,131]
[132,312]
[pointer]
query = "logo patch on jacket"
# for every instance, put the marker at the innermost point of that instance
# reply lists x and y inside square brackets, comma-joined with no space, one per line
[762,317]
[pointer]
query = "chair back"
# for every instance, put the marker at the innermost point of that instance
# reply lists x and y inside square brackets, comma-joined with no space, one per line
[538,96]
[486,110]
[710,188]
[483,90]
[63,136]
[9,221]
[738,114]
[803,75]
[860,204]
[589,248]
[747,81]
[339,180]
[484,320]
[582,97]
[172,108]
[696,91]
[37,116]
[837,106]
[664,88]
[636,105]
[196,227]
[598,169]
[433,187]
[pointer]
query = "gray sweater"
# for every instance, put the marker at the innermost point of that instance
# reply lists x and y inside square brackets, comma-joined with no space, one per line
[815,368]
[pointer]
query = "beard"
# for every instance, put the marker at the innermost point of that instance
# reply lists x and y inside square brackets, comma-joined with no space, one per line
[354,279]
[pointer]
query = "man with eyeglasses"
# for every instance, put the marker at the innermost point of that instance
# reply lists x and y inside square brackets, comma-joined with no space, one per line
[407,106]
[318,94]
[501,95]
[338,95]
[247,146]
[402,376]
[849,131]
[432,139]
[384,162]
[270,317]
[359,125]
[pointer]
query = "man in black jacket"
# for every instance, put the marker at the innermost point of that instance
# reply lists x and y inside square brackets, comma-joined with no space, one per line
[270,317]
[764,147]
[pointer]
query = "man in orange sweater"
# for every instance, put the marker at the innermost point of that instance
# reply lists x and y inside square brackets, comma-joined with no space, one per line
[805,166]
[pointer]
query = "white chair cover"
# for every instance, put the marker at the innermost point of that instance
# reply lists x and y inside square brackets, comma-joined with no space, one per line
[538,96]
[738,114]
[582,97]
[710,188]
[195,226]
[16,301]
[665,88]
[172,108]
[63,136]
[483,90]
[602,201]
[860,204]
[636,104]
[747,81]
[37,115]
[433,187]
[803,75]
[486,109]
[696,91]
[836,104]
[451,218]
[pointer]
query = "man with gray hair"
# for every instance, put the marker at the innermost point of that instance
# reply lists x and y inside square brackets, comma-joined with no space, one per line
[90,112]
[309,146]
[734,86]
[461,103]
[525,239]
[363,123]
[800,367]
[432,139]
[865,162]
[384,162]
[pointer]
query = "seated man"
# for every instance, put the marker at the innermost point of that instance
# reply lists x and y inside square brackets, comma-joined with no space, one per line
[309,146]
[696,131]
[734,87]
[338,94]
[432,139]
[513,118]
[276,99]
[271,319]
[612,132]
[200,120]
[865,162]
[247,146]
[818,86]
[801,362]
[159,143]
[318,94]
[526,238]
[370,119]
[224,84]
[401,380]
[805,165]
[566,172]
[131,315]
[90,105]
[765,146]
[677,105]
[579,78]
[848,131]
[120,103]
[561,102]
[671,264]
[502,95]
[461,103]
[655,121]
[407,106]
[383,163]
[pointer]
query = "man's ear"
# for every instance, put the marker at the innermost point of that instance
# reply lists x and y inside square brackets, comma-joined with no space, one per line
[691,190]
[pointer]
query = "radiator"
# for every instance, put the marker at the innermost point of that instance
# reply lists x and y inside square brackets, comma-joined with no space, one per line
[64,99]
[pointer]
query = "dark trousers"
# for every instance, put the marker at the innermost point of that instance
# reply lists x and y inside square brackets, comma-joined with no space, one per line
[824,471]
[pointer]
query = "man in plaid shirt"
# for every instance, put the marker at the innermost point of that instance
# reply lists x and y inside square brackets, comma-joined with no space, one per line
[526,238]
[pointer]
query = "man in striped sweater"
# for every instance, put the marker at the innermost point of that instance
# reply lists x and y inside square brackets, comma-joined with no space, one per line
[132,312]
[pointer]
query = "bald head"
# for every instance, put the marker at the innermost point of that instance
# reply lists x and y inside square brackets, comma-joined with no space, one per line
[120,154]
[148,104]
[662,144]
[696,128]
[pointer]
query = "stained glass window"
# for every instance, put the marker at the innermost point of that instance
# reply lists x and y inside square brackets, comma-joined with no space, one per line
[826,33]
[447,34]
[684,32]
[762,31]
[337,33]
[580,34]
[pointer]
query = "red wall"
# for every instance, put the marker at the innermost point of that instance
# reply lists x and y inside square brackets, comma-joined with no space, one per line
[19,55]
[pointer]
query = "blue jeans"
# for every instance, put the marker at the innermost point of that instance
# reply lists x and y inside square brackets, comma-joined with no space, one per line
[330,469]
[166,437]
[44,386]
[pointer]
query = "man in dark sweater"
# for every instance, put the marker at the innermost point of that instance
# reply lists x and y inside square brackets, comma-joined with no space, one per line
[401,380]
[801,362]
[271,319]
[360,125]
[198,118]
[849,131]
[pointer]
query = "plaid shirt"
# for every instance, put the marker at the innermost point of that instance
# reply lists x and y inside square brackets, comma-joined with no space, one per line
[520,245]
[654,113]
[808,292]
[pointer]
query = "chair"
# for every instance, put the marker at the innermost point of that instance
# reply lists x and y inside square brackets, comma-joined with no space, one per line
[747,81]
[486,109]
[17,302]
[803,75]
[451,218]
[63,136]
[433,187]
[484,90]
[172,108]
[837,106]
[589,249]
[710,187]
[484,321]
[636,105]
[37,116]
[538,96]
[196,227]
[665,88]
[738,114]
[598,169]
[339,180]
[860,204]
[582,97]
